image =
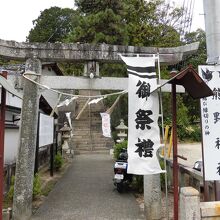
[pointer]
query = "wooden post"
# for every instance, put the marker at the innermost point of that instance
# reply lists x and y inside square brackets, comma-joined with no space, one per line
[2,135]
[175,160]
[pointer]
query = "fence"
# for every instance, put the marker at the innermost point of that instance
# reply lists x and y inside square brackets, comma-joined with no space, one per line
[189,177]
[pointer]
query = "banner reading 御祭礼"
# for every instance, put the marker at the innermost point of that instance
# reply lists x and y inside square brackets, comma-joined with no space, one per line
[210,117]
[143,112]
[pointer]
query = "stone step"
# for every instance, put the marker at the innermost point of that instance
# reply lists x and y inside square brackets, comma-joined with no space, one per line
[77,152]
[85,126]
[93,141]
[78,143]
[86,132]
[96,144]
[91,147]
[87,119]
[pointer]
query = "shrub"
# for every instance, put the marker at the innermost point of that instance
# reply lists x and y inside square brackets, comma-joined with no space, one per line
[10,193]
[189,133]
[118,148]
[137,183]
[36,186]
[58,161]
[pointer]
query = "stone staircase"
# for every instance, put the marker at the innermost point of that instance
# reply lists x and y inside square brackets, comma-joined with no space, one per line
[87,130]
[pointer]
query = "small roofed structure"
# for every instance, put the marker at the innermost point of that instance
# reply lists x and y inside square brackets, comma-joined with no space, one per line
[192,82]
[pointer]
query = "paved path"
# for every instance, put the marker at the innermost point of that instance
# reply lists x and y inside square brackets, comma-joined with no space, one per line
[192,151]
[86,192]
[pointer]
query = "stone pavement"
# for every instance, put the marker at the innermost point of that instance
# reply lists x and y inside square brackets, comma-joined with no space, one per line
[86,192]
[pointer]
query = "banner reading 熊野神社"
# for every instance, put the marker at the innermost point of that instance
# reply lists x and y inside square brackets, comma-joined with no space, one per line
[210,118]
[143,112]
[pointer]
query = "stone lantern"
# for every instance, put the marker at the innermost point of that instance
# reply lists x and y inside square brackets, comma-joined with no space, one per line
[65,131]
[122,128]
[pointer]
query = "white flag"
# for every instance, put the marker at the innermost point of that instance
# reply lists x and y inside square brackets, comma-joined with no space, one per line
[143,112]
[106,124]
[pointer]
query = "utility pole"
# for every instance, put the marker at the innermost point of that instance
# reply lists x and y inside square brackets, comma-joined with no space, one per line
[212,29]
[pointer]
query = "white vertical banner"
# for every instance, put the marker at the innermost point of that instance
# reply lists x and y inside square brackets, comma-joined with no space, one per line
[143,112]
[46,130]
[106,124]
[210,117]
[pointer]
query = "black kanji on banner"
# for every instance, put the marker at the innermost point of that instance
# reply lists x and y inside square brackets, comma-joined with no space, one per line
[217,143]
[143,90]
[218,169]
[216,92]
[143,120]
[216,117]
[145,148]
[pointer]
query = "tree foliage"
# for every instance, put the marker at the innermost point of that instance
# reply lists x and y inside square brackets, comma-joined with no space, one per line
[200,57]
[152,23]
[52,25]
[100,22]
[133,22]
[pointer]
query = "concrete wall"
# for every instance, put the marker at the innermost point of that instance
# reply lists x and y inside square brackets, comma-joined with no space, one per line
[189,204]
[191,208]
[11,145]
[12,100]
[210,210]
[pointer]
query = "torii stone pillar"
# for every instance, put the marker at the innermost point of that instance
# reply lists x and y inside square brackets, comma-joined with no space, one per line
[22,205]
[152,197]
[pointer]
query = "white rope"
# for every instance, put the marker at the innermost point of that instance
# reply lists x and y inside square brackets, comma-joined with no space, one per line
[110,110]
[55,107]
[68,94]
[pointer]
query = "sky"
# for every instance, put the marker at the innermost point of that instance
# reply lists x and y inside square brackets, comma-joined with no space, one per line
[16,16]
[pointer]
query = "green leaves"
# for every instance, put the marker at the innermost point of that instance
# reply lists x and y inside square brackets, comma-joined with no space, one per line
[52,25]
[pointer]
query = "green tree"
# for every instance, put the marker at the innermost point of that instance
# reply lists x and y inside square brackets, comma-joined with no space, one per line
[53,25]
[101,21]
[200,57]
[133,22]
[152,23]
[95,6]
[195,60]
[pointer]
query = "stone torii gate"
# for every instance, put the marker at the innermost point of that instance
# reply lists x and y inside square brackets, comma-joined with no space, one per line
[33,55]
